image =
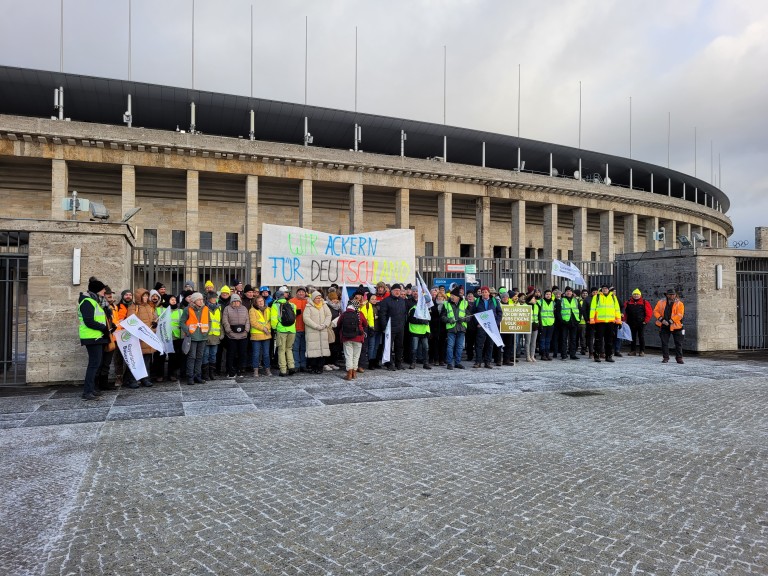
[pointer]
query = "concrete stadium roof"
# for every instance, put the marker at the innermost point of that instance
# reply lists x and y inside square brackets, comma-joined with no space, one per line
[27,92]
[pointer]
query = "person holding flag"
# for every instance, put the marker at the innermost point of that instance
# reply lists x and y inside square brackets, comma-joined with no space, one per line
[485,339]
[455,316]
[394,308]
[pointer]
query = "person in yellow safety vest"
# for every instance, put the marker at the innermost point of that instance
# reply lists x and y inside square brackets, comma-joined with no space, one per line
[455,317]
[110,310]
[419,331]
[214,337]
[581,337]
[284,335]
[94,332]
[547,322]
[567,314]
[175,358]
[195,325]
[669,318]
[604,314]
[261,335]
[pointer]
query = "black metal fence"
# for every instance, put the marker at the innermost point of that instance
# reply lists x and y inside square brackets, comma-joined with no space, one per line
[14,271]
[752,303]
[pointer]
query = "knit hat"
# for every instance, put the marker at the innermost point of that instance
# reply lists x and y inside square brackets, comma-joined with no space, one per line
[531,289]
[301,289]
[671,292]
[396,287]
[210,284]
[248,288]
[279,294]
[315,294]
[95,285]
[236,298]
[502,290]
[235,282]
[568,288]
[196,296]
[159,285]
[226,289]
[456,291]
[212,295]
[637,291]
[190,284]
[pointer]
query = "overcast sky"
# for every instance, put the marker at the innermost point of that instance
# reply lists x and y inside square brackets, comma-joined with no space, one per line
[705,62]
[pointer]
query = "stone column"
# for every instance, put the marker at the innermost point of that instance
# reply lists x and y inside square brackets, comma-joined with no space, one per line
[709,236]
[550,231]
[607,251]
[59,187]
[193,225]
[355,208]
[670,234]
[128,196]
[252,228]
[402,208]
[445,240]
[483,227]
[685,230]
[651,225]
[579,234]
[518,229]
[630,234]
[305,204]
[761,238]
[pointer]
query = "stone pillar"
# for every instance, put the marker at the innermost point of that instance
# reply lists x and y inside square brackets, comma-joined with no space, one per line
[305,204]
[59,187]
[355,208]
[550,231]
[761,238]
[445,240]
[193,225]
[685,230]
[630,233]
[128,196]
[483,227]
[252,228]
[579,234]
[670,234]
[607,251]
[708,235]
[403,208]
[651,225]
[518,229]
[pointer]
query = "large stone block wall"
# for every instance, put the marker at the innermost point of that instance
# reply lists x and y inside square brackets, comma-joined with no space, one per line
[710,314]
[53,349]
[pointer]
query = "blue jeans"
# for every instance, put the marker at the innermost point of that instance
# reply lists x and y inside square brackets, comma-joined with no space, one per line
[209,356]
[416,342]
[454,347]
[545,337]
[260,353]
[300,350]
[374,339]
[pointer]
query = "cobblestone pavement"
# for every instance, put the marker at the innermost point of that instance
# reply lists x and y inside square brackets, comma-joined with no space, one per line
[643,469]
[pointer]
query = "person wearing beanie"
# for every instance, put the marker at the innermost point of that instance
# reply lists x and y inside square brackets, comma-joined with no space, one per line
[237,326]
[247,296]
[483,343]
[94,332]
[567,316]
[547,322]
[352,325]
[334,305]
[261,336]
[581,338]
[455,316]
[225,299]
[637,313]
[146,312]
[317,320]
[285,334]
[418,332]
[195,324]
[184,298]
[381,291]
[395,310]
[530,339]
[213,342]
[209,286]
[300,342]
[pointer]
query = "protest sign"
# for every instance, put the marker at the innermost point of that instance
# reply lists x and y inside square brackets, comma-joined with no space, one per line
[487,321]
[130,348]
[515,319]
[165,330]
[143,332]
[294,256]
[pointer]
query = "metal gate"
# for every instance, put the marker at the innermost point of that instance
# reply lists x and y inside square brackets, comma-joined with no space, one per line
[752,303]
[173,267]
[520,274]
[14,271]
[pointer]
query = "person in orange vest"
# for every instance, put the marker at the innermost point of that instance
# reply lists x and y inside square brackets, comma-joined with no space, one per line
[195,324]
[669,318]
[604,313]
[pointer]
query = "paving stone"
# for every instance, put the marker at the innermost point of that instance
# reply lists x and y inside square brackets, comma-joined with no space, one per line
[19,405]
[221,406]
[401,393]
[140,411]
[144,396]
[193,394]
[57,417]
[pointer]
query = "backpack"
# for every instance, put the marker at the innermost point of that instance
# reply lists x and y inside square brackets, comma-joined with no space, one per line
[287,314]
[351,326]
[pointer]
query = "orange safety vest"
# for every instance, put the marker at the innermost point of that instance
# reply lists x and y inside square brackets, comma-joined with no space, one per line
[676,321]
[193,324]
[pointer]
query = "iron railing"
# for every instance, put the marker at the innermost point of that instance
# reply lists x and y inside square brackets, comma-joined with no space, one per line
[752,303]
[14,272]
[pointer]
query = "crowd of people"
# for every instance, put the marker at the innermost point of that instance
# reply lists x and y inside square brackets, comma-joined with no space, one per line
[236,330]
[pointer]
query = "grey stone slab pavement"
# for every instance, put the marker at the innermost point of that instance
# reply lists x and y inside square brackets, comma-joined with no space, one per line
[643,469]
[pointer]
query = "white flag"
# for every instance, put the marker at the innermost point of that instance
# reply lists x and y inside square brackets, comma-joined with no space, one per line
[423,300]
[130,348]
[165,331]
[143,332]
[387,355]
[487,321]
[344,298]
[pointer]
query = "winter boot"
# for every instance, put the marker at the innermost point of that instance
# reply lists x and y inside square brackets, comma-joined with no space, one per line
[350,375]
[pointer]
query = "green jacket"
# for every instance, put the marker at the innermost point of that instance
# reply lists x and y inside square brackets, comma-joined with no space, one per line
[275,320]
